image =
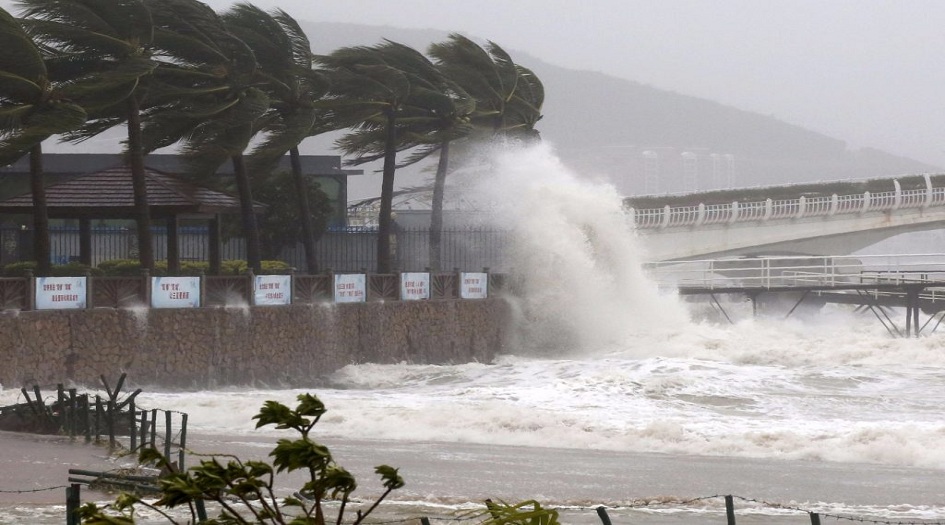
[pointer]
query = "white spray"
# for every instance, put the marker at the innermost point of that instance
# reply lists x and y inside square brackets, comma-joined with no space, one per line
[575,257]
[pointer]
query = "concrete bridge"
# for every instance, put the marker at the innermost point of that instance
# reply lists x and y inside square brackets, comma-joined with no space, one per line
[831,218]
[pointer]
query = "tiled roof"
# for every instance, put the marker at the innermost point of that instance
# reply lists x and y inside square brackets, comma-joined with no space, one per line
[109,193]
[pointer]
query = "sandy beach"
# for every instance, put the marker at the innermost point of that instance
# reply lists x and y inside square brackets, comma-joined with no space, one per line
[443,479]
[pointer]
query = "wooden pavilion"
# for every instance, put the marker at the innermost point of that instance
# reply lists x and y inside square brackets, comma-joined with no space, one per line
[108,194]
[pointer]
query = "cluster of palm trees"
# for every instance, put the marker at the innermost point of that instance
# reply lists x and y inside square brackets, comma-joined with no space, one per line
[175,72]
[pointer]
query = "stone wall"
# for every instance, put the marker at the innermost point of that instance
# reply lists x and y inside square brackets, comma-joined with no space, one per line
[212,347]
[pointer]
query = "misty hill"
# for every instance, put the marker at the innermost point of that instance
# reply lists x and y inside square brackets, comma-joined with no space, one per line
[608,127]
[642,139]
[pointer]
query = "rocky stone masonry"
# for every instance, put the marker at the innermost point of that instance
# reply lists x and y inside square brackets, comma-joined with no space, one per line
[213,347]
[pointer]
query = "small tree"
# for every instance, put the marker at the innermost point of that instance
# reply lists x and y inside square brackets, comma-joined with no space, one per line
[244,490]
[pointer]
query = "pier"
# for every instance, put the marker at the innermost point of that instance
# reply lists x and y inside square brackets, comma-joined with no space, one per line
[877,283]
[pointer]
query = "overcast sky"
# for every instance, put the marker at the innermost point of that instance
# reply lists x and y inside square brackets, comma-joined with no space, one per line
[869,72]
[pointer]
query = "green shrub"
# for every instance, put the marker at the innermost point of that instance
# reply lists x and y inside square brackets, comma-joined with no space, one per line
[121,267]
[19,269]
[245,490]
[132,268]
[73,269]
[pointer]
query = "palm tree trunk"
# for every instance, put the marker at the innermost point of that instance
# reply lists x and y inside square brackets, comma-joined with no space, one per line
[41,247]
[140,185]
[305,212]
[250,226]
[384,220]
[436,212]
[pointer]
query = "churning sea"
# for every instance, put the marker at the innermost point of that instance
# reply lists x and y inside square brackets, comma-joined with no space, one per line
[613,393]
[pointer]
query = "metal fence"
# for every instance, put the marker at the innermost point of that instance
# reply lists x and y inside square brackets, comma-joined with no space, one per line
[350,250]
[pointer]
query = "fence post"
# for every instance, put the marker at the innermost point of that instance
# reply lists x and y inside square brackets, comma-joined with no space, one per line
[602,513]
[730,510]
[183,443]
[73,499]
[167,435]
[814,518]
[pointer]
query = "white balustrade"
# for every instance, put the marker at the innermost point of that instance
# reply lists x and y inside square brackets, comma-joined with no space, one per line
[802,207]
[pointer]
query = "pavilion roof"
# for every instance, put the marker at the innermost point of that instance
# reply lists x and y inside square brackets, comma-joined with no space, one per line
[109,193]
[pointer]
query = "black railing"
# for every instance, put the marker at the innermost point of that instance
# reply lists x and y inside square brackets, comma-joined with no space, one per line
[341,251]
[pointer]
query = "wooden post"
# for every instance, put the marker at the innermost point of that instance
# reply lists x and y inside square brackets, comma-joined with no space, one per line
[110,421]
[602,514]
[730,510]
[133,424]
[201,510]
[73,500]
[814,518]
[424,521]
[167,435]
[73,414]
[183,442]
[86,418]
[98,418]
[154,428]
[144,427]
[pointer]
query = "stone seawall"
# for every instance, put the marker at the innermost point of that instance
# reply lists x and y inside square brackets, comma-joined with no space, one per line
[213,347]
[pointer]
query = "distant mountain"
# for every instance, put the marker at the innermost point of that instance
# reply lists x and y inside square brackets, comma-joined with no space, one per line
[626,131]
[644,140]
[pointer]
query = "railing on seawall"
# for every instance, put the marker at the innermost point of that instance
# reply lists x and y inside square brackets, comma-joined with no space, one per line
[799,208]
[799,271]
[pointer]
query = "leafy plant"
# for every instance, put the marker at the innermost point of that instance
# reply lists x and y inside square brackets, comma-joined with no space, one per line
[244,490]
[525,513]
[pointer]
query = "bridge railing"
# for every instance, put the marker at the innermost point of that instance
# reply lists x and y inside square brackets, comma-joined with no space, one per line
[795,271]
[799,208]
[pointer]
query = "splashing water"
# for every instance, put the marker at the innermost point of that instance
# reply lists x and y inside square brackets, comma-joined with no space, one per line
[577,258]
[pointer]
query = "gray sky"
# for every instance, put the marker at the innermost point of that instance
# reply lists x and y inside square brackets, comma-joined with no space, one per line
[865,71]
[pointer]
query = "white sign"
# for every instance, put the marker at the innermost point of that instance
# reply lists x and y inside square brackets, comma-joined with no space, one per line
[60,293]
[414,286]
[350,288]
[273,289]
[175,292]
[473,285]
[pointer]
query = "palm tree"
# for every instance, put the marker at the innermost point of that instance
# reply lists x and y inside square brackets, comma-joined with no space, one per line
[32,108]
[370,94]
[488,74]
[285,64]
[213,105]
[109,45]
[507,98]
[523,110]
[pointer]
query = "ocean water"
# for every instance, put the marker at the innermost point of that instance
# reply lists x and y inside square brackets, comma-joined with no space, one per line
[615,393]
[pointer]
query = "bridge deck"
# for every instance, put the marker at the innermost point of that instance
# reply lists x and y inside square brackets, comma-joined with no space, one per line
[914,282]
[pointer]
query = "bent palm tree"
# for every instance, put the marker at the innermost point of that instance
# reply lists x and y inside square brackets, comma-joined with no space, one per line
[212,103]
[107,46]
[285,63]
[370,94]
[32,109]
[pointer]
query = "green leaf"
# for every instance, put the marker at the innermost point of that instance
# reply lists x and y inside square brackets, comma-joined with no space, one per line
[390,477]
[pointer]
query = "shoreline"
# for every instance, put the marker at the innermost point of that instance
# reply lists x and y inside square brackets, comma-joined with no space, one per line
[443,477]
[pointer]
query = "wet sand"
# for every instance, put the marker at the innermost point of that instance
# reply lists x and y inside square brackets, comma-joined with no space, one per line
[34,469]
[442,477]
